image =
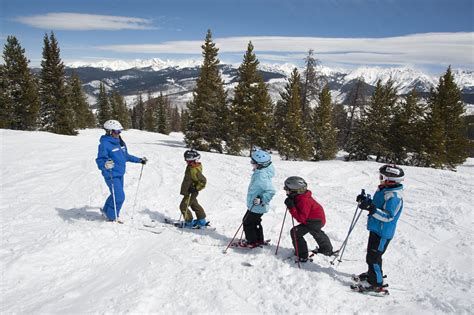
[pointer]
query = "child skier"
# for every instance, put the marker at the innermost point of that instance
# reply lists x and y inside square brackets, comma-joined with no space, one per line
[111,160]
[310,214]
[193,182]
[260,193]
[384,211]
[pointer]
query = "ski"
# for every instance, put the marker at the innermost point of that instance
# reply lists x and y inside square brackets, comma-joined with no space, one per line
[370,290]
[179,224]
[243,245]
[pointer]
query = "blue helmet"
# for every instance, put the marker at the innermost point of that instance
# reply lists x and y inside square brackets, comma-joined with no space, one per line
[261,157]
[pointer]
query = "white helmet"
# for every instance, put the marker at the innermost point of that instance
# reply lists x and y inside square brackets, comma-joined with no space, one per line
[112,125]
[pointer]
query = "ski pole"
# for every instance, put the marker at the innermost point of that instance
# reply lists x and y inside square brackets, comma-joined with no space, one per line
[233,238]
[295,242]
[113,195]
[136,194]
[282,224]
[347,238]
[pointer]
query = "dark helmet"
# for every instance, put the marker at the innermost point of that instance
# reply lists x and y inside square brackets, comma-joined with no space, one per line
[391,173]
[296,184]
[191,155]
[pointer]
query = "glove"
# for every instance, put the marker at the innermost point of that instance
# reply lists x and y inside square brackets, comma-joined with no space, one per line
[192,190]
[290,202]
[143,160]
[109,164]
[257,201]
[367,204]
[360,197]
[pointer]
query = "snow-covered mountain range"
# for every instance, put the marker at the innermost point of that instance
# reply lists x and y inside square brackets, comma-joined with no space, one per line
[177,78]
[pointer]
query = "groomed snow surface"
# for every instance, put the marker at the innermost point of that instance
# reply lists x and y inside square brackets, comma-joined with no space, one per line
[58,256]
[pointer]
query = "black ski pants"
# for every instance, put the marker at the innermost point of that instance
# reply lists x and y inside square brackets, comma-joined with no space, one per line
[376,247]
[253,227]
[312,227]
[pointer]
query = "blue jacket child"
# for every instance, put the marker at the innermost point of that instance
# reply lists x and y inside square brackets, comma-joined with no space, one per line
[260,193]
[384,211]
[111,159]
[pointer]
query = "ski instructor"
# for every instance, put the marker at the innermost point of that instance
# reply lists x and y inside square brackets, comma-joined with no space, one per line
[111,160]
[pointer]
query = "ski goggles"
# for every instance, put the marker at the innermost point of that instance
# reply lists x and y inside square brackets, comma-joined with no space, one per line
[116,132]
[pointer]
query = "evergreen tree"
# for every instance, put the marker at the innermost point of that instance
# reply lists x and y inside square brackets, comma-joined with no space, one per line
[340,120]
[175,120]
[83,116]
[372,135]
[104,109]
[138,114]
[119,109]
[293,142]
[56,113]
[449,145]
[19,97]
[310,88]
[162,115]
[207,122]
[251,107]
[355,101]
[407,131]
[150,114]
[325,141]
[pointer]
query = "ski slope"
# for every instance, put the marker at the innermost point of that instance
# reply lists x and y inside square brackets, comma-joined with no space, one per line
[59,257]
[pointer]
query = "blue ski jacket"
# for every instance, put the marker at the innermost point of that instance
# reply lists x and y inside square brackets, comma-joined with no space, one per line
[389,204]
[115,149]
[261,185]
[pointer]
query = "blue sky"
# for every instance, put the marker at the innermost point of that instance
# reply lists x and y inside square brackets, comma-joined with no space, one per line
[423,34]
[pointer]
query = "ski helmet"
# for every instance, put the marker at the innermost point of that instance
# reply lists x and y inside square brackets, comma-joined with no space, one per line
[260,157]
[296,184]
[112,125]
[391,173]
[191,155]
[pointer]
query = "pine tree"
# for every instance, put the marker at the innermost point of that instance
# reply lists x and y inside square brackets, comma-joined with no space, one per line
[447,125]
[325,141]
[372,134]
[175,120]
[251,107]
[104,109]
[206,127]
[162,115]
[119,109]
[138,114]
[355,101]
[83,116]
[310,88]
[340,120]
[150,114]
[56,113]
[19,97]
[293,142]
[407,131]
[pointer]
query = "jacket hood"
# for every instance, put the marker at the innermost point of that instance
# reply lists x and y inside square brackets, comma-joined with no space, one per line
[110,139]
[268,171]
[306,195]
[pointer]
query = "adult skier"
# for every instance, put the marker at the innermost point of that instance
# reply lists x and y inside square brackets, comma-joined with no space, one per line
[111,159]
[260,193]
[384,211]
[310,214]
[193,182]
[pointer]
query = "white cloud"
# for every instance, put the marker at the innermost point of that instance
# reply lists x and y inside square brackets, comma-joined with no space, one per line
[85,22]
[427,48]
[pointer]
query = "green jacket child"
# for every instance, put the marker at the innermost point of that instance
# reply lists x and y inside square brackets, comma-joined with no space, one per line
[193,182]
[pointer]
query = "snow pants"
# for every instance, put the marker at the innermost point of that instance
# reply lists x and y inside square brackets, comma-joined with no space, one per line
[376,247]
[253,229]
[312,227]
[191,200]
[109,208]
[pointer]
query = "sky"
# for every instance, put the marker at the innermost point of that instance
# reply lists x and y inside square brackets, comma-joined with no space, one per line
[425,34]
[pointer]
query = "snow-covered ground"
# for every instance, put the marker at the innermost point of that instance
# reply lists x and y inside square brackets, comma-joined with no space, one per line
[58,256]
